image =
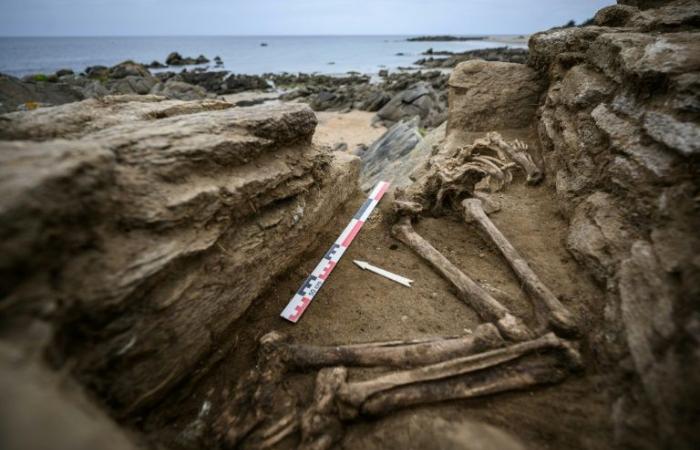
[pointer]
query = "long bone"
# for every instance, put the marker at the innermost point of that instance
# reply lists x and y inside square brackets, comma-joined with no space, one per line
[356,393]
[521,374]
[546,303]
[469,291]
[387,354]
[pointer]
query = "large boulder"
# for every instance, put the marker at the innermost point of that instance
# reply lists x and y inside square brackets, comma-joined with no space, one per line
[141,228]
[488,95]
[419,100]
[16,94]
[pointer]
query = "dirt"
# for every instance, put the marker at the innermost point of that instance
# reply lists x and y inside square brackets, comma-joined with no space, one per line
[357,306]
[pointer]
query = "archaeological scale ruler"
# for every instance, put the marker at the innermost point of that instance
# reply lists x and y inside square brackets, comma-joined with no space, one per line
[301,300]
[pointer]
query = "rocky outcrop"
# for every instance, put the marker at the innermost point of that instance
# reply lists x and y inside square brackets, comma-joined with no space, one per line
[419,100]
[16,94]
[176,59]
[141,228]
[450,59]
[485,96]
[620,127]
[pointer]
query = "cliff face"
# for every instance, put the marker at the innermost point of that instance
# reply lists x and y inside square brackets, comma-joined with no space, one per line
[141,228]
[619,127]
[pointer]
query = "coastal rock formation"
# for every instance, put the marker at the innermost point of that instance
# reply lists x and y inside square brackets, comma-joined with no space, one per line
[140,229]
[486,96]
[448,60]
[620,130]
[17,94]
[419,100]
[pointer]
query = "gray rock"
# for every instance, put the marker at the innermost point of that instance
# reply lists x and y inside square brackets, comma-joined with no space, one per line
[178,90]
[419,100]
[684,137]
[385,158]
[15,94]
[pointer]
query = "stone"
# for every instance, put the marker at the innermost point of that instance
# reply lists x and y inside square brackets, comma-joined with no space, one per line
[15,94]
[205,201]
[419,100]
[598,235]
[179,90]
[615,15]
[684,137]
[131,85]
[396,154]
[129,69]
[486,96]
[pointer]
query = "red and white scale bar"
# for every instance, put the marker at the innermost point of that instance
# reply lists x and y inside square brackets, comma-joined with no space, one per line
[301,300]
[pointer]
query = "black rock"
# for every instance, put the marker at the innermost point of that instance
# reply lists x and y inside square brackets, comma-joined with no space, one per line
[63,72]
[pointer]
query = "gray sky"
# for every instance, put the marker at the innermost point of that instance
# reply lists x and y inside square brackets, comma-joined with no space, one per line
[285,17]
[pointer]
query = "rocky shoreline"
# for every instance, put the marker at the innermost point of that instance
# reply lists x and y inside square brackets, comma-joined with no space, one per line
[351,91]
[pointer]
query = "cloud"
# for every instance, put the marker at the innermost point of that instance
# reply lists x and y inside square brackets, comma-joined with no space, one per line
[264,17]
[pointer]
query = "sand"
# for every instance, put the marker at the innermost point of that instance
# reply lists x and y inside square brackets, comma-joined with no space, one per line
[353,128]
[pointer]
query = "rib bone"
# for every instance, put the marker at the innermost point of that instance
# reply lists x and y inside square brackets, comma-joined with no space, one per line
[469,291]
[546,303]
[357,393]
[517,151]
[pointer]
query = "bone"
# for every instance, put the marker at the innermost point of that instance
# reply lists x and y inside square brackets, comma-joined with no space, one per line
[320,423]
[469,291]
[386,354]
[517,151]
[519,375]
[355,394]
[546,303]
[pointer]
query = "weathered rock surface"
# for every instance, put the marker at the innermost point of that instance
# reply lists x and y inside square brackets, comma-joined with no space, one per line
[16,94]
[486,96]
[420,100]
[142,228]
[620,127]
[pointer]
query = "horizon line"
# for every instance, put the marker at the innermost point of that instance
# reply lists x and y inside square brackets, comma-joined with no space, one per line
[264,35]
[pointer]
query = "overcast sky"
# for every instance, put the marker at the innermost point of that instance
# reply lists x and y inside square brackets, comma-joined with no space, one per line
[286,17]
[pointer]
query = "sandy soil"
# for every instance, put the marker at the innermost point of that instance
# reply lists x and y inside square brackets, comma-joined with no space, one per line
[356,306]
[353,128]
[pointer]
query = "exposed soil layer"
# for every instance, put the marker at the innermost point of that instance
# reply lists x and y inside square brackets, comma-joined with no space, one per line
[356,306]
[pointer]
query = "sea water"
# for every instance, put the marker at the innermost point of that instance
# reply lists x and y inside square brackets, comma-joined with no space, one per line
[241,54]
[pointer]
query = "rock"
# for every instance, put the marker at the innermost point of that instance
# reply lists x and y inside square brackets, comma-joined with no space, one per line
[156,65]
[179,91]
[176,59]
[503,54]
[15,94]
[419,100]
[241,83]
[486,96]
[165,220]
[615,16]
[387,158]
[129,69]
[619,127]
[374,101]
[132,85]
[383,73]
[97,72]
[64,72]
[683,137]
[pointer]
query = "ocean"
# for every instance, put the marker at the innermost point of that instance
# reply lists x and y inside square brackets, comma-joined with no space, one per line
[241,54]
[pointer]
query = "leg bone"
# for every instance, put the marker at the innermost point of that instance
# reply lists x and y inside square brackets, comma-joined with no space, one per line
[546,303]
[355,394]
[469,291]
[521,374]
[388,354]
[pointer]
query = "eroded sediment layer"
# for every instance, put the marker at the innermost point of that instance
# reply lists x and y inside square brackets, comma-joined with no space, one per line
[142,229]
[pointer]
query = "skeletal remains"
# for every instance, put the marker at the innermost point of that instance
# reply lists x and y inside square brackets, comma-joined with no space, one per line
[265,409]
